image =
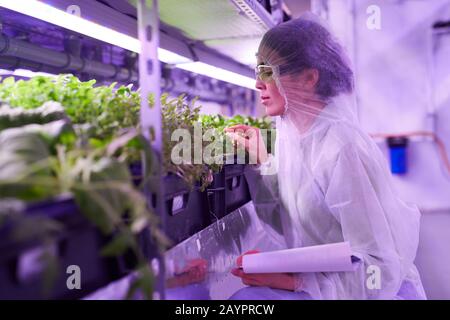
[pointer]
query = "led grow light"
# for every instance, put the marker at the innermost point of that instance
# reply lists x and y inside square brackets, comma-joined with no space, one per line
[45,12]
[24,73]
[218,73]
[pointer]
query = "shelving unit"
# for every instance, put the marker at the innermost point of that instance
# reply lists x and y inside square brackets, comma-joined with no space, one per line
[146,42]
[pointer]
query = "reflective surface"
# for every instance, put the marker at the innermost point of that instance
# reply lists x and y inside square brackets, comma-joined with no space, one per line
[199,268]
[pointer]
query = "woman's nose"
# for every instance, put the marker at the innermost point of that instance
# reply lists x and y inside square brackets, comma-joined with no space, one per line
[260,85]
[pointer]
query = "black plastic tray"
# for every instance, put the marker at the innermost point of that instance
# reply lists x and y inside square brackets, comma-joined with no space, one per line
[187,209]
[228,191]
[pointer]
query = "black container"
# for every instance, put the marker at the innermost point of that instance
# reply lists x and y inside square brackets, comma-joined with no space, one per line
[186,209]
[228,191]
[78,244]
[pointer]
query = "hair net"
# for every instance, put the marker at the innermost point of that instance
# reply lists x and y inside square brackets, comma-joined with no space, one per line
[332,182]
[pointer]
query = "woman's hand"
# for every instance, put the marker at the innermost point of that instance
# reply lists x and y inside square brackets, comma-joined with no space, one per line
[284,281]
[251,139]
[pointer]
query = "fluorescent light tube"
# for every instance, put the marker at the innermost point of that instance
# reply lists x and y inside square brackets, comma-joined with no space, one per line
[25,73]
[30,74]
[4,72]
[45,12]
[218,73]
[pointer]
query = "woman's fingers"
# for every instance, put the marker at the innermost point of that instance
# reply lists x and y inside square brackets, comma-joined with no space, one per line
[254,280]
[247,141]
[285,281]
[237,127]
[239,259]
[237,272]
[244,276]
[238,138]
[250,282]
[244,130]
[251,140]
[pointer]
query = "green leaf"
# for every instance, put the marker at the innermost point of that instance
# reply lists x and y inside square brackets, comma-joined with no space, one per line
[24,158]
[119,245]
[100,197]
[143,283]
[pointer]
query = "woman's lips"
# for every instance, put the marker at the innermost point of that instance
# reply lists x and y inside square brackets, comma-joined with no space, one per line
[264,100]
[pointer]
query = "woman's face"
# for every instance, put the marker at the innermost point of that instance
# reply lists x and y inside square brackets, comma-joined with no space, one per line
[271,97]
[301,88]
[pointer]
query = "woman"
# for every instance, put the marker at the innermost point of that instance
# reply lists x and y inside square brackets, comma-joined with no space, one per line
[332,181]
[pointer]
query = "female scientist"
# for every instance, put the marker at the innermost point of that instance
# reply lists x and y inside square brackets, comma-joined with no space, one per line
[332,182]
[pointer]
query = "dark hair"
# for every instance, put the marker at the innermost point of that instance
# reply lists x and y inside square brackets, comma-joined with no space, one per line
[302,44]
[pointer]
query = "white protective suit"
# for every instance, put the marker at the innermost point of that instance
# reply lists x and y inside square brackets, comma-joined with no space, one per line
[332,182]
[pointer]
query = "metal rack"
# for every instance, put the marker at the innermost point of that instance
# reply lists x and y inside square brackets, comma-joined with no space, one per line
[219,26]
[245,19]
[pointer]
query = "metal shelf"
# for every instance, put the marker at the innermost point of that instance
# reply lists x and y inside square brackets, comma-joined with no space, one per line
[207,31]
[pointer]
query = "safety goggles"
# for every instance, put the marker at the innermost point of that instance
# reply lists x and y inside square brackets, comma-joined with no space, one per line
[264,72]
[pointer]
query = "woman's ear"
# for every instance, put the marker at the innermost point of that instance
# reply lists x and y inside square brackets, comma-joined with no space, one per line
[310,78]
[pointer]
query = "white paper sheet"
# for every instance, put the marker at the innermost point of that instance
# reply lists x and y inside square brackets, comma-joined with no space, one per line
[334,257]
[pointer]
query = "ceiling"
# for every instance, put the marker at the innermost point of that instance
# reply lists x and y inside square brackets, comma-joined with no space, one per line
[226,26]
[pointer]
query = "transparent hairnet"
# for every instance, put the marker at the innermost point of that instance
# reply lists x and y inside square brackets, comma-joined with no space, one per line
[332,183]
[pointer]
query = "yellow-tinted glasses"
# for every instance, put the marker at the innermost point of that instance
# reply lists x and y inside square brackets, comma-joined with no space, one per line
[264,72]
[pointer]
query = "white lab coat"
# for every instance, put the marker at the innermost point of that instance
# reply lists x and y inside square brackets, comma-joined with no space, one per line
[332,185]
